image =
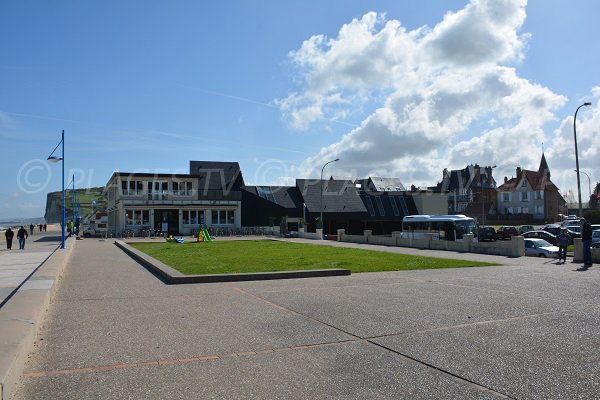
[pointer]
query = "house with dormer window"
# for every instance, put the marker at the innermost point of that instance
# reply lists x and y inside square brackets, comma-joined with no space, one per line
[531,193]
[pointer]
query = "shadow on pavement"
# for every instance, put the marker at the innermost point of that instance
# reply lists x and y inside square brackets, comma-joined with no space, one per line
[49,239]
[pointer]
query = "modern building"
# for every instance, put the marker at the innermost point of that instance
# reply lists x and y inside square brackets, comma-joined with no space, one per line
[176,203]
[531,193]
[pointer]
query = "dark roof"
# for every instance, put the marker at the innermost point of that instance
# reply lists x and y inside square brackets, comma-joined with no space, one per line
[388,205]
[283,196]
[339,196]
[217,175]
[380,184]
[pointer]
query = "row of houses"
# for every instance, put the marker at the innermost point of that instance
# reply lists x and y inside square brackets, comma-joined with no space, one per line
[528,196]
[214,194]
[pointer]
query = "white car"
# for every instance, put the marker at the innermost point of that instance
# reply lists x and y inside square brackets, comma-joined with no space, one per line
[596,236]
[540,248]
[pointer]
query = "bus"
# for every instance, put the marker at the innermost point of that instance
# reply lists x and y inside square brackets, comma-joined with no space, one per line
[443,227]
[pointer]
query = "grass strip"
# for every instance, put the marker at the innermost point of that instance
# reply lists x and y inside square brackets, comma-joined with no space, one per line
[244,256]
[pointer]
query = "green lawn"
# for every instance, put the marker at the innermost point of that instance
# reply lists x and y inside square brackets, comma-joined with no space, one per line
[265,255]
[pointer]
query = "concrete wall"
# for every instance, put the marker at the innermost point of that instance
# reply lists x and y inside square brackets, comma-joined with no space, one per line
[578,252]
[513,248]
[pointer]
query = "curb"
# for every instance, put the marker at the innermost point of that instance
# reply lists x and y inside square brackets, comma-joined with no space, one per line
[22,316]
[174,277]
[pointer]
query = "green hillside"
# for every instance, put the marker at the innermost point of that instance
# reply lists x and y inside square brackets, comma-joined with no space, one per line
[85,198]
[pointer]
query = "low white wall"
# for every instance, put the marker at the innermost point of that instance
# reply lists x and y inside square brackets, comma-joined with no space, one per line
[309,235]
[578,252]
[513,248]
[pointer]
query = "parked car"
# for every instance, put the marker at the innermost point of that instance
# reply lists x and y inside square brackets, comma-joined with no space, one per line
[554,229]
[506,232]
[547,236]
[568,223]
[540,248]
[574,232]
[525,228]
[486,233]
[596,236]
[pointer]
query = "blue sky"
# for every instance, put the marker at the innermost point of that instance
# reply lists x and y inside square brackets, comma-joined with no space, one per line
[393,88]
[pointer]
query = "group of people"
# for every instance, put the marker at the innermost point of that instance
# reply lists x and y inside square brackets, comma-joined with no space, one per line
[563,240]
[21,235]
[42,228]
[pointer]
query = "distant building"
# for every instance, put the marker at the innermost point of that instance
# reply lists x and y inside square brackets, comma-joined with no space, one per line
[471,191]
[531,193]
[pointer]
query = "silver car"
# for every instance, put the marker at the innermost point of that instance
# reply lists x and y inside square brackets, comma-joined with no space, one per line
[540,248]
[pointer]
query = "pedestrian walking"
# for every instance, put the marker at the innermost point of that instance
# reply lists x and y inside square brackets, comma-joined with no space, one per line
[9,234]
[563,239]
[586,239]
[41,227]
[70,227]
[22,235]
[31,228]
[45,226]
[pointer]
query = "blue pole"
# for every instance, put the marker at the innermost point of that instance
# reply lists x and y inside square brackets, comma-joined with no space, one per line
[73,200]
[64,211]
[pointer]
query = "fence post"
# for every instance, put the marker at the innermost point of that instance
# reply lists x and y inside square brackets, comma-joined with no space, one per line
[340,234]
[366,234]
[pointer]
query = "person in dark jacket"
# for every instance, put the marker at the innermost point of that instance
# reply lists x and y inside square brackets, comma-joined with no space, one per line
[22,235]
[586,239]
[563,239]
[9,234]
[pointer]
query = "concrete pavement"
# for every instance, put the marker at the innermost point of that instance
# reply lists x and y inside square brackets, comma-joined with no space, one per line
[16,265]
[526,329]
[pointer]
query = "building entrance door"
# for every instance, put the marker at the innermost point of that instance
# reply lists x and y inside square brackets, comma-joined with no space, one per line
[167,221]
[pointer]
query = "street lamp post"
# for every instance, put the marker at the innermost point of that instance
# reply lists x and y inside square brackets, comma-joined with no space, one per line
[54,158]
[589,182]
[321,206]
[587,103]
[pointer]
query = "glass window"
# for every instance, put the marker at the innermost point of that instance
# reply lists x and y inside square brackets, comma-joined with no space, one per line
[231,217]
[128,217]
[524,196]
[137,217]
[380,206]
[215,217]
[506,197]
[222,216]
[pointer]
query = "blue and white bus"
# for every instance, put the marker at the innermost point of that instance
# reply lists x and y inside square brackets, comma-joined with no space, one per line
[442,227]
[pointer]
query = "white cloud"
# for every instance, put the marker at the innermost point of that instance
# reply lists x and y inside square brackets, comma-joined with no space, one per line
[438,89]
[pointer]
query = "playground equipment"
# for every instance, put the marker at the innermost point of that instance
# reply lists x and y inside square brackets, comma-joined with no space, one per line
[204,236]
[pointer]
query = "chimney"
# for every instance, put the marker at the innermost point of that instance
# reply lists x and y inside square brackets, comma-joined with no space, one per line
[505,179]
[519,173]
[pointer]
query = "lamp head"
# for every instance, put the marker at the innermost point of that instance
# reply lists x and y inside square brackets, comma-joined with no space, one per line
[587,103]
[337,159]
[54,159]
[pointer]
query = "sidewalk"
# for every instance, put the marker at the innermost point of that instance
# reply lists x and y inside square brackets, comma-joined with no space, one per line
[526,329]
[16,265]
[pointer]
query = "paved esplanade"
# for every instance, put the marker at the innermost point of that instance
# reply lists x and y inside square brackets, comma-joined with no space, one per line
[529,329]
[16,265]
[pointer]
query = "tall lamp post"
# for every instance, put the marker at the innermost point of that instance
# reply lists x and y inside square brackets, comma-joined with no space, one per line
[587,103]
[54,158]
[589,182]
[321,207]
